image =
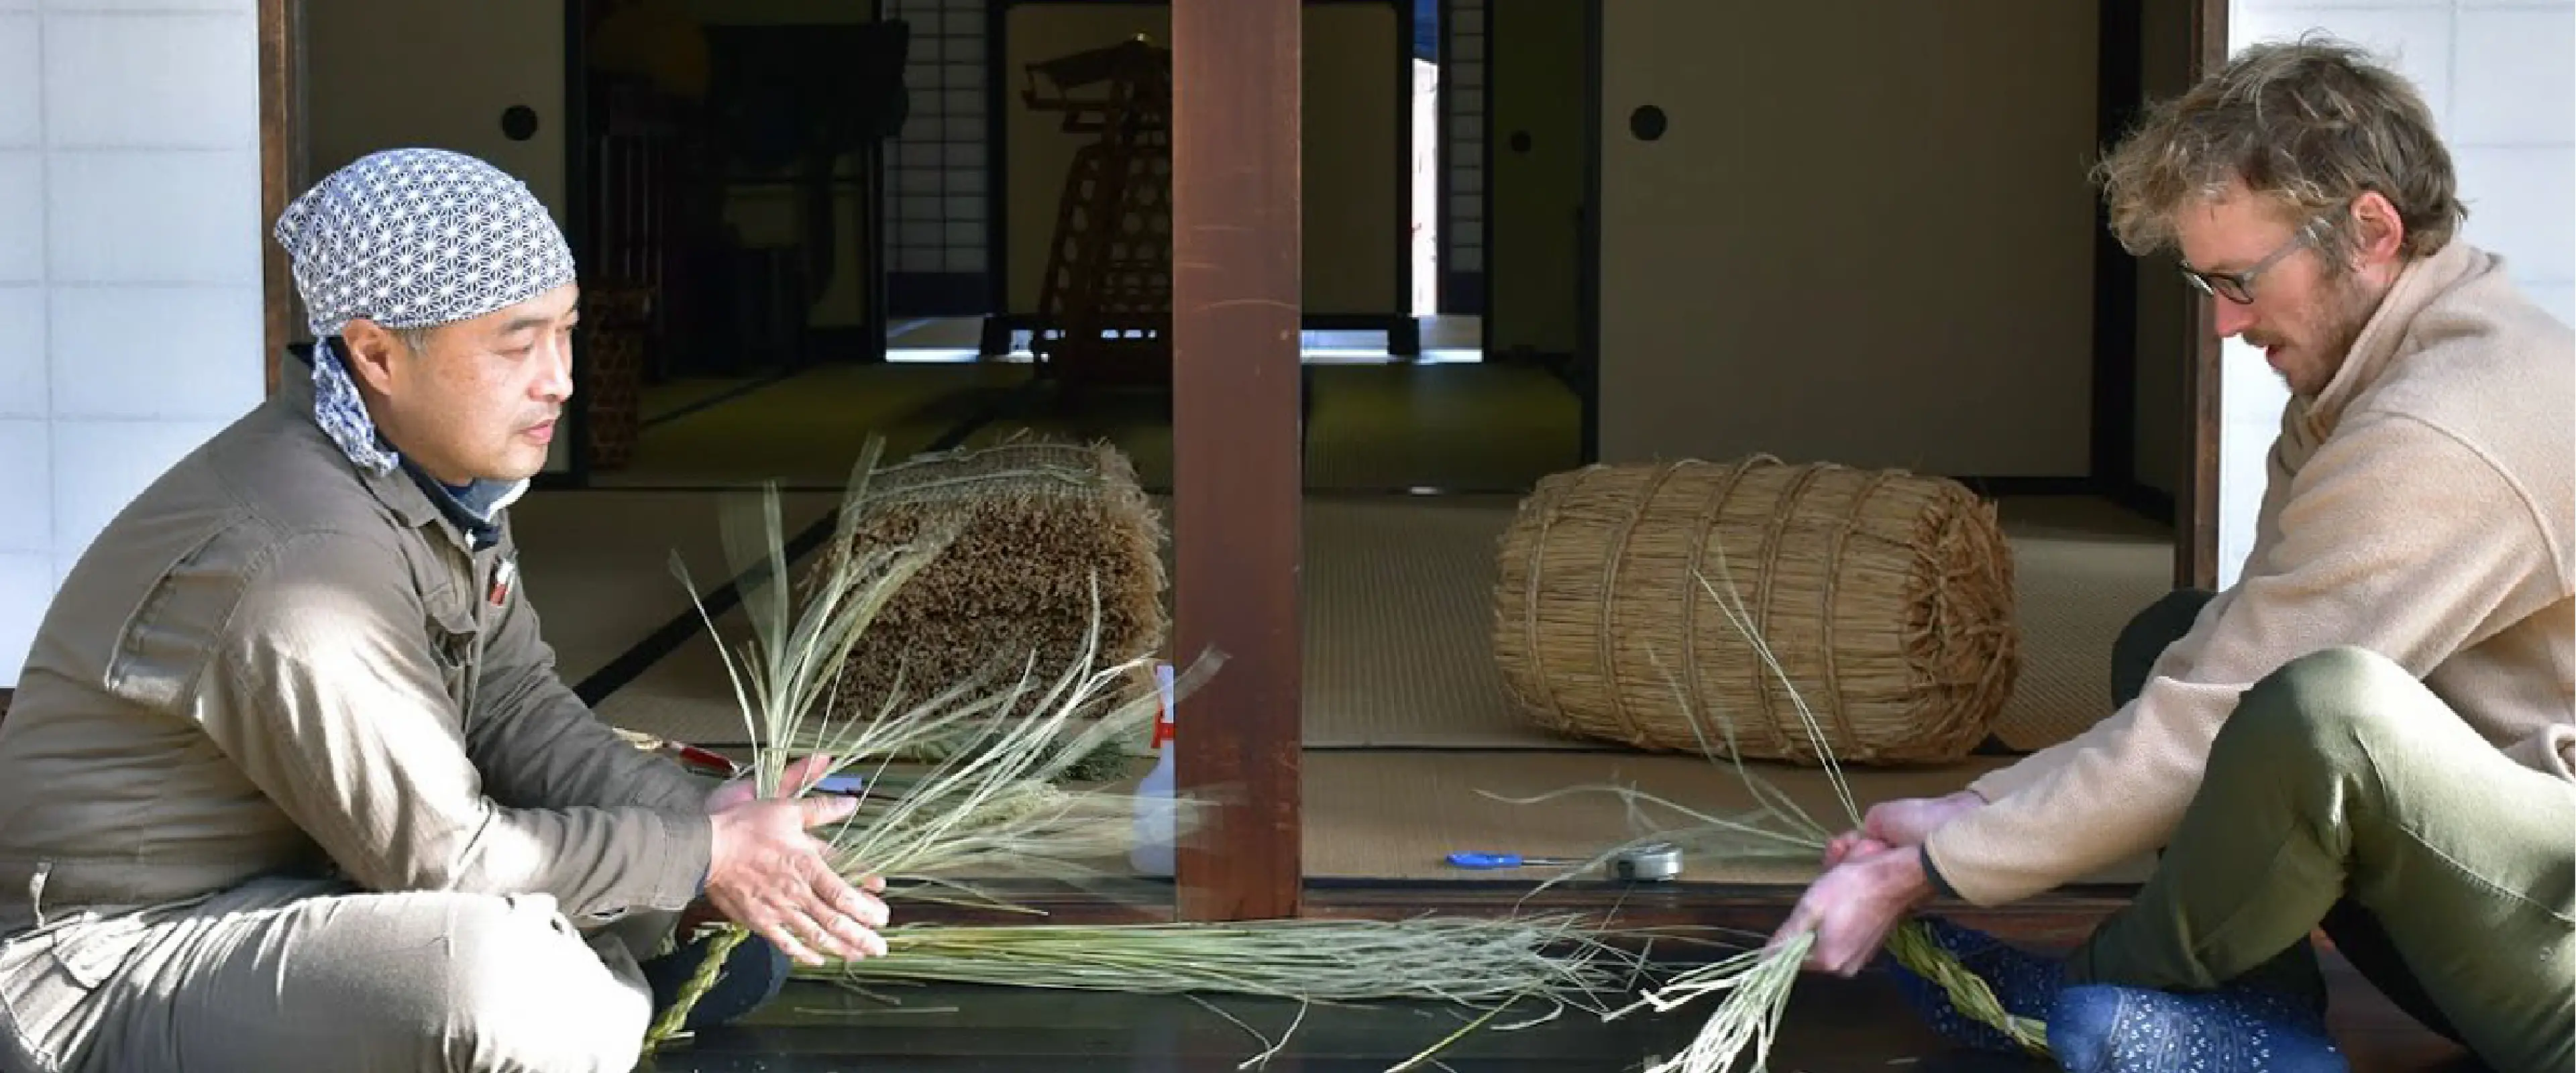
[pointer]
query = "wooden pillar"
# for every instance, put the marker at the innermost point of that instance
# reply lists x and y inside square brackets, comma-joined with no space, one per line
[1236,268]
[281,160]
[2196,540]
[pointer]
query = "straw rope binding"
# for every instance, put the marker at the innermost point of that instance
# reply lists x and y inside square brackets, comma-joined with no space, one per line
[1893,592]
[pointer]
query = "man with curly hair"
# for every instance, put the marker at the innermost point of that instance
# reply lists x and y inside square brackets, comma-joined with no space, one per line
[2370,733]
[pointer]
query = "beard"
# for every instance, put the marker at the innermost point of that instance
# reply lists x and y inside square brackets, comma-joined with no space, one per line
[2318,339]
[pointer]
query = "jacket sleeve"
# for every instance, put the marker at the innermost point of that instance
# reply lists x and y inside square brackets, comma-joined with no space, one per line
[2390,539]
[328,691]
[538,745]
[2176,660]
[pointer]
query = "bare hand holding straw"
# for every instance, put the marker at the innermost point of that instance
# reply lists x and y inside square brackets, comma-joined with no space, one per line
[1901,823]
[1855,905]
[773,878]
[1874,879]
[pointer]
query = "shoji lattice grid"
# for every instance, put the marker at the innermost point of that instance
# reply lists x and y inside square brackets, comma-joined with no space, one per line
[1462,106]
[935,211]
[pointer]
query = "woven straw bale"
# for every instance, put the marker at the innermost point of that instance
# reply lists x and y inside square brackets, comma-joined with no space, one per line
[1040,519]
[1886,597]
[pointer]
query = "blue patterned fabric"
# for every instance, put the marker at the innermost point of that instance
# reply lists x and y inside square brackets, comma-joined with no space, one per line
[410,238]
[343,415]
[2101,1028]
[2025,983]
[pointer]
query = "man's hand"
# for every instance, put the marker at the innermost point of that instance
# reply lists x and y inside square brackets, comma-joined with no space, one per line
[1854,906]
[1900,823]
[801,775]
[772,877]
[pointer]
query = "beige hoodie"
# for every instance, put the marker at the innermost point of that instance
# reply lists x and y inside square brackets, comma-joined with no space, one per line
[2421,506]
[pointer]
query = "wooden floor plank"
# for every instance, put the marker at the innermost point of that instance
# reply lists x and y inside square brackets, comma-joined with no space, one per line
[1832,1026]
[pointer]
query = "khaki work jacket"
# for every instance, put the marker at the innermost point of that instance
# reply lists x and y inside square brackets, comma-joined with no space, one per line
[274,662]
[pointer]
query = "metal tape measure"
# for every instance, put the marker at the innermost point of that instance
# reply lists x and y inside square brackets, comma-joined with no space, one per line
[1654,862]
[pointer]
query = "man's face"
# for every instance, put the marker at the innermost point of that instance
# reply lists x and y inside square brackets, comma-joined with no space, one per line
[2303,310]
[481,397]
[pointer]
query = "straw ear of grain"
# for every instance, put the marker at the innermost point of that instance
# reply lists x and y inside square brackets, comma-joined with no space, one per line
[1038,522]
[1891,593]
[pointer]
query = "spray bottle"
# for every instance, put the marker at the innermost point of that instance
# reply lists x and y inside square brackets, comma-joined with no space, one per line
[1152,852]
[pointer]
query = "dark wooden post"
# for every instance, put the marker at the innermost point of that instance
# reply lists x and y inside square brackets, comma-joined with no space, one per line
[1237,485]
[281,165]
[2196,539]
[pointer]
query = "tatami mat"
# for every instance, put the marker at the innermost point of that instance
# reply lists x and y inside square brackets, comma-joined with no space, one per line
[1371,427]
[1399,616]
[1138,422]
[597,563]
[659,402]
[1398,815]
[1407,728]
[686,696]
[2083,567]
[808,429]
[1399,620]
[1479,427]
[1397,625]
[1440,332]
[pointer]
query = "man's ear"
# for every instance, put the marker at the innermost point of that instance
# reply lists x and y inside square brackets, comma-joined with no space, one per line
[2379,233]
[369,352]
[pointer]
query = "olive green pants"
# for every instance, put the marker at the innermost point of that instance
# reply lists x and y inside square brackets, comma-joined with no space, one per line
[2343,795]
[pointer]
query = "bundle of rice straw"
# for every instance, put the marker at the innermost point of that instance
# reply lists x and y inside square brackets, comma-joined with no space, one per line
[1480,963]
[1443,959]
[991,809]
[1892,593]
[1034,524]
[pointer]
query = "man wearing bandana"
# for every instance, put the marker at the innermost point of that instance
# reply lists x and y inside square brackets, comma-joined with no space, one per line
[290,779]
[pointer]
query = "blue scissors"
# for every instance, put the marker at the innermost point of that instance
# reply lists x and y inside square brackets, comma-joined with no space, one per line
[1507,860]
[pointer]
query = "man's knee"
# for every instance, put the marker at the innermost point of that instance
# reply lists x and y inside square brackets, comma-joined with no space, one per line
[522,990]
[2327,706]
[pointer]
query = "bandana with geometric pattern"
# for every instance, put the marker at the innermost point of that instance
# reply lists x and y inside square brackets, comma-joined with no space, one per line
[410,238]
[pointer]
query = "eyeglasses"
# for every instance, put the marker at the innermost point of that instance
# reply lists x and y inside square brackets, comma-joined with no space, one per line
[2238,287]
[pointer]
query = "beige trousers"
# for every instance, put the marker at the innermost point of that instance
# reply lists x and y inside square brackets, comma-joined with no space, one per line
[281,974]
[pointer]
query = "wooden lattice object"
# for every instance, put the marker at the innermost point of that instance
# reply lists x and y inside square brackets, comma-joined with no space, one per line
[1105,305]
[615,321]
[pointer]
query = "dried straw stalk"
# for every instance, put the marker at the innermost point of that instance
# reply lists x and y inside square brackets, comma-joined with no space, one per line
[1484,964]
[991,807]
[1440,959]
[1757,984]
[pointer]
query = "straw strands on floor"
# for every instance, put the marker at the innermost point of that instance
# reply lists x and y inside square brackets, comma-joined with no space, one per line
[1439,959]
[1485,965]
